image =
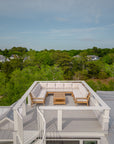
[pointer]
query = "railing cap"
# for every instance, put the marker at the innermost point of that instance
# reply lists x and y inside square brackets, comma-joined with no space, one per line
[71,108]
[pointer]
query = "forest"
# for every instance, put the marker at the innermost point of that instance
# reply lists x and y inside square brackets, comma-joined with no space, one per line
[27,66]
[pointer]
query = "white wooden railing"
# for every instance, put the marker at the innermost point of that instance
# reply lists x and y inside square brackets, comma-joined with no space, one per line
[102,115]
[4,109]
[41,127]
[100,108]
[61,109]
[20,112]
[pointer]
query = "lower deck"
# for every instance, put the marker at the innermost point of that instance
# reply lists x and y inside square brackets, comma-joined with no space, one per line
[74,123]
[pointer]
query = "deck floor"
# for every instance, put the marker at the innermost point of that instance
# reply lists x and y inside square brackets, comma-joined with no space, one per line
[73,121]
[69,101]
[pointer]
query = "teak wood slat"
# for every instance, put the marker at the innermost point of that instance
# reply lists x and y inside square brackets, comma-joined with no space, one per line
[59,98]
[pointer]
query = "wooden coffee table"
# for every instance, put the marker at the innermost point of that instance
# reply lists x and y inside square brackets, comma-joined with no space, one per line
[59,98]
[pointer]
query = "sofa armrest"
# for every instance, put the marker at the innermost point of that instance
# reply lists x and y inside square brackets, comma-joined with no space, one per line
[80,98]
[37,98]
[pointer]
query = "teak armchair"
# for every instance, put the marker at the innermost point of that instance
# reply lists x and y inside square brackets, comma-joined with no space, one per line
[35,100]
[83,100]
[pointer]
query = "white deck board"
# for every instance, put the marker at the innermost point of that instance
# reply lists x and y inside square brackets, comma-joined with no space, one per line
[29,136]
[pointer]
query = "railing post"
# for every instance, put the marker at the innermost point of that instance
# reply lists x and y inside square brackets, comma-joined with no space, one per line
[59,120]
[18,128]
[105,124]
[29,100]
[15,120]
[24,108]
[98,141]
[14,137]
[81,141]
[15,127]
[41,122]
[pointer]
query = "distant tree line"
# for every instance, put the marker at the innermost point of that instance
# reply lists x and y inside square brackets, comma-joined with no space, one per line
[17,74]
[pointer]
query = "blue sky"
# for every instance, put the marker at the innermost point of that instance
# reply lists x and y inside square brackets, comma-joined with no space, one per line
[56,24]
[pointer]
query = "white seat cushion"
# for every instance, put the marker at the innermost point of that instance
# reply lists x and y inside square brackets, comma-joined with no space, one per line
[81,100]
[42,93]
[35,100]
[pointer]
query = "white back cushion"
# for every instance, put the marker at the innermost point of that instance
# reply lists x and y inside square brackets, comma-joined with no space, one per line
[68,85]
[44,85]
[75,85]
[60,85]
[79,85]
[36,90]
[51,85]
[83,91]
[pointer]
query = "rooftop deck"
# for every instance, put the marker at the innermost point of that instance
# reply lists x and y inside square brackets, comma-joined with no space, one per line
[68,120]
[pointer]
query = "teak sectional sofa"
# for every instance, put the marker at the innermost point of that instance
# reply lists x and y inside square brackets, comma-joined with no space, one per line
[77,90]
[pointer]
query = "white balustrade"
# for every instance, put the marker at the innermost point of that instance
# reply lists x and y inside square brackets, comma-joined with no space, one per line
[19,112]
[102,114]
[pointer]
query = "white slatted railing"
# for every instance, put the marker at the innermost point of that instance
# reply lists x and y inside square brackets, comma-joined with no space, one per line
[41,127]
[27,136]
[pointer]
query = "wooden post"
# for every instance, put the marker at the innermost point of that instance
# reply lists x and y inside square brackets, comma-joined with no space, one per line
[15,127]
